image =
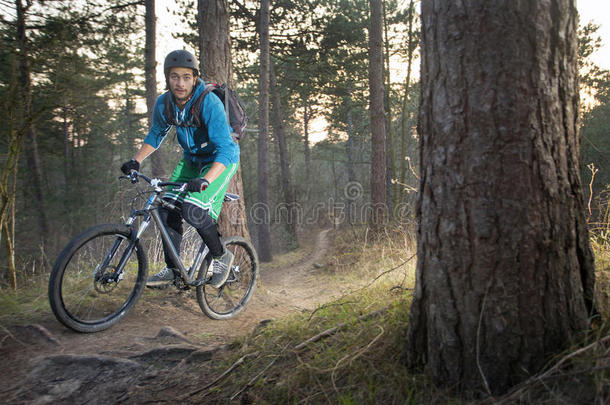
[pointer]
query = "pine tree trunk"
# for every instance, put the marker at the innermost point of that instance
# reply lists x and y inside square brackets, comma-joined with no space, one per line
[405,132]
[391,194]
[306,118]
[216,65]
[263,232]
[351,172]
[214,41]
[150,77]
[280,135]
[505,272]
[32,156]
[378,158]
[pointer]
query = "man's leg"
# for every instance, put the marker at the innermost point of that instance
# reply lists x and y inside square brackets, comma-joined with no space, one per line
[173,223]
[201,210]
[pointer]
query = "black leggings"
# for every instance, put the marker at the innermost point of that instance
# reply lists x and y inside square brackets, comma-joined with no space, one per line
[202,222]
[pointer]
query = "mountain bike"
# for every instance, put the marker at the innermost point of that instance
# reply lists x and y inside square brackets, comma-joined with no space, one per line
[100,275]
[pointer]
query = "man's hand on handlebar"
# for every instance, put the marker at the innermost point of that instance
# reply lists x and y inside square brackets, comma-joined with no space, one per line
[197,185]
[130,165]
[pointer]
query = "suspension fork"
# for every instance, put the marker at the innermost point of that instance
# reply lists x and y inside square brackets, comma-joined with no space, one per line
[133,241]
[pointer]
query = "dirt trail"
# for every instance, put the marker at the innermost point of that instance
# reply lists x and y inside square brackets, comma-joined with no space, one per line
[163,327]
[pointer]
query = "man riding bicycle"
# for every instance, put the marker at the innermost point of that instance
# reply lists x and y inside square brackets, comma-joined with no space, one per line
[210,159]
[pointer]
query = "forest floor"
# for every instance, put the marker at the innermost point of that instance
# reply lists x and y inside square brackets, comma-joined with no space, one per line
[44,362]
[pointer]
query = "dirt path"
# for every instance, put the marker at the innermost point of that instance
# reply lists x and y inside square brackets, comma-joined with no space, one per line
[161,320]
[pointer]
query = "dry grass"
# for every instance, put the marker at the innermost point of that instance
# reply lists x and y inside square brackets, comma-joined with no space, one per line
[349,351]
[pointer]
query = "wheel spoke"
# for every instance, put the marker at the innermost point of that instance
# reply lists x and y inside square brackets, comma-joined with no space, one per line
[233,296]
[81,296]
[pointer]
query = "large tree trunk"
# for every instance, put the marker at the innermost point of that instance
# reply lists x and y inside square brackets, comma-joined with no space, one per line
[215,65]
[280,135]
[150,77]
[264,234]
[378,158]
[505,272]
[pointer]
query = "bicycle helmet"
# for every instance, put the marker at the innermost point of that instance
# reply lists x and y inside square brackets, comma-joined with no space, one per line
[180,58]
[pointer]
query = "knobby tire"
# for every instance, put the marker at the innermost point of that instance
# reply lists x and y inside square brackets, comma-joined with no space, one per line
[80,297]
[231,298]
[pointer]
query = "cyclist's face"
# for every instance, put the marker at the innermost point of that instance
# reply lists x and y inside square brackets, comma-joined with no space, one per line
[181,83]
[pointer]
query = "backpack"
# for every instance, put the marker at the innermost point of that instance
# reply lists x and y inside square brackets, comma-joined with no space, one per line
[234,109]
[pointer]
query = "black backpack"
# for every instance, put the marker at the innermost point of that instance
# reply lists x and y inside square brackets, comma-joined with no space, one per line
[234,109]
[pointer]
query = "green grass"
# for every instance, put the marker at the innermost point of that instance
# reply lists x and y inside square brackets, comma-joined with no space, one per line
[27,304]
[362,362]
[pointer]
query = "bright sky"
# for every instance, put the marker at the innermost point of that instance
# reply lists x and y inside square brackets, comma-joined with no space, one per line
[597,11]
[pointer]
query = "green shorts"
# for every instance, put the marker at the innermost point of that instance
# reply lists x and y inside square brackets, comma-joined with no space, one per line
[211,198]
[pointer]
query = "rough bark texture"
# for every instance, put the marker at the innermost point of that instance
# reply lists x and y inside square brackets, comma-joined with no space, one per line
[150,78]
[280,135]
[264,234]
[505,272]
[216,65]
[378,159]
[214,41]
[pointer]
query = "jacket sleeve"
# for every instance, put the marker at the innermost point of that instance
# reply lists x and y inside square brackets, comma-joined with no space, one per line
[159,127]
[213,114]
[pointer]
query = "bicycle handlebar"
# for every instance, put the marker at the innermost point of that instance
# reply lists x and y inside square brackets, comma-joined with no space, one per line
[134,175]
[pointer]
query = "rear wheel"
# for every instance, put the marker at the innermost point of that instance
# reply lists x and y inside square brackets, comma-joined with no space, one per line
[231,298]
[89,288]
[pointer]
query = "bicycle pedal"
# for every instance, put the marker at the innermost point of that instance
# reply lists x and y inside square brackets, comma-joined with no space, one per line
[197,283]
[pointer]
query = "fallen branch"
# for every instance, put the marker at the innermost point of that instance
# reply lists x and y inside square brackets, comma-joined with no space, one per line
[354,357]
[252,381]
[332,331]
[220,377]
[380,275]
[9,334]
[329,305]
[538,378]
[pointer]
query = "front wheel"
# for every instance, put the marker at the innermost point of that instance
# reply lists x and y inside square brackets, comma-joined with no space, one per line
[231,298]
[97,278]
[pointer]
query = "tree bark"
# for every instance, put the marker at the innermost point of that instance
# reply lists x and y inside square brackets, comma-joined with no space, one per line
[405,133]
[391,193]
[216,65]
[32,156]
[264,234]
[306,119]
[351,171]
[378,150]
[505,272]
[150,77]
[280,135]
[214,41]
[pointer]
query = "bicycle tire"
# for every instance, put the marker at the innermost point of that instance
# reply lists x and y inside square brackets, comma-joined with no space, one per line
[231,298]
[80,294]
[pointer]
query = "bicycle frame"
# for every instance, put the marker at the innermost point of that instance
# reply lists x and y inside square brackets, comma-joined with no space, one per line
[151,210]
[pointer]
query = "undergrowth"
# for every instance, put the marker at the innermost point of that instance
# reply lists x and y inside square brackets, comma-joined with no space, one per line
[349,351]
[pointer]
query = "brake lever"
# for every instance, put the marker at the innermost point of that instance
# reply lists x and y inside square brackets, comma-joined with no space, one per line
[133,177]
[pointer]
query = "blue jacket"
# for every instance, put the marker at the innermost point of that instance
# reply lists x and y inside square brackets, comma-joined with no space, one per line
[201,146]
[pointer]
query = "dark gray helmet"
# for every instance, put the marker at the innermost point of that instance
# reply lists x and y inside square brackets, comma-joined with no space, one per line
[180,58]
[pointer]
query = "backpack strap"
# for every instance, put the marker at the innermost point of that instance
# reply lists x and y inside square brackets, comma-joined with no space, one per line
[196,107]
[168,111]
